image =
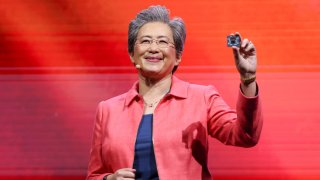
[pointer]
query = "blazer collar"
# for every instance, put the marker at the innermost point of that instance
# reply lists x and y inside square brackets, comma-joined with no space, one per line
[178,89]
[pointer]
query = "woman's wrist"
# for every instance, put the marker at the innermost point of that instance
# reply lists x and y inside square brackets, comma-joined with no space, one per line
[250,90]
[248,79]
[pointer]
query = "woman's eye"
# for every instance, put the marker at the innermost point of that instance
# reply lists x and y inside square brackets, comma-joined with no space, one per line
[145,41]
[163,42]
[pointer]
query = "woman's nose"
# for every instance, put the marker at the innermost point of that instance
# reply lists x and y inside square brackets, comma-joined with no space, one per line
[154,46]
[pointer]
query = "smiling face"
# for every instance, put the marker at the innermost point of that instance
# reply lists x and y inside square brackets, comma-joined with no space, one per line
[155,58]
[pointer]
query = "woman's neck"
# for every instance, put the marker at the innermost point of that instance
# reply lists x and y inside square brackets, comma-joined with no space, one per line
[153,88]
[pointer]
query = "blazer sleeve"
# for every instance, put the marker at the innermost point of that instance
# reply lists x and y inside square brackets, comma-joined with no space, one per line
[96,167]
[239,128]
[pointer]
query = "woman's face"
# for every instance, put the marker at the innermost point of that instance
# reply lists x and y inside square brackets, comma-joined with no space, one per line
[154,50]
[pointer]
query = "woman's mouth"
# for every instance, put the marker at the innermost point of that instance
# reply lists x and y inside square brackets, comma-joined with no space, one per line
[153,58]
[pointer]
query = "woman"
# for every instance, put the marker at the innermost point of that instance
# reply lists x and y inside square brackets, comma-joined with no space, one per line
[160,127]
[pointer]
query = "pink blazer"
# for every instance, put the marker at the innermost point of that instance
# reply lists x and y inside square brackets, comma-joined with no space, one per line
[182,123]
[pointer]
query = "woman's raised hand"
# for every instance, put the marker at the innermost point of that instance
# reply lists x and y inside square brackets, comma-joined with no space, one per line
[245,58]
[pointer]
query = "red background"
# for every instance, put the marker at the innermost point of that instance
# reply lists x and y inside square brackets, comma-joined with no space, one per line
[59,58]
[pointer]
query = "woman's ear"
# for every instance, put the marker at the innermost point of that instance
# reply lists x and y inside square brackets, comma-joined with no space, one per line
[178,60]
[131,58]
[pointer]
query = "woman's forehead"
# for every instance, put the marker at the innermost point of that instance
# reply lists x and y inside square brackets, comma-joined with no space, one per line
[155,30]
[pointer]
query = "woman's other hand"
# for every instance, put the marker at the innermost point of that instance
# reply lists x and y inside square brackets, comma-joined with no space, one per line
[123,174]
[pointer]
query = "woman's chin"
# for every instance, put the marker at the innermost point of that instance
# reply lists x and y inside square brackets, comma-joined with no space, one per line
[152,70]
[150,73]
[153,73]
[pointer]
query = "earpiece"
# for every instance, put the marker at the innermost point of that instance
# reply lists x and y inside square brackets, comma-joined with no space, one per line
[138,66]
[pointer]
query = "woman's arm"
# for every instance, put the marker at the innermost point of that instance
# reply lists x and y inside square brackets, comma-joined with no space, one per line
[243,126]
[96,168]
[239,128]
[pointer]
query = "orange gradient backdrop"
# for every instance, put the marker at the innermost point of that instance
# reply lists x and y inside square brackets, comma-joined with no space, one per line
[59,58]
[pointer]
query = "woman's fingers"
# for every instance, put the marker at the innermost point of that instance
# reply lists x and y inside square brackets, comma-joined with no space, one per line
[247,48]
[125,173]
